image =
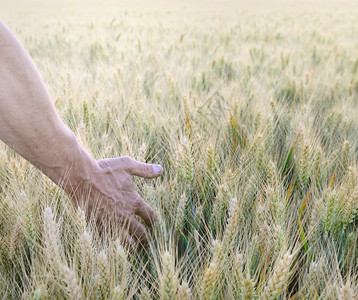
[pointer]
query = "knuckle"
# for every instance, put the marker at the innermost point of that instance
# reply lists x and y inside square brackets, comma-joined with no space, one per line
[148,168]
[126,160]
[121,215]
[138,204]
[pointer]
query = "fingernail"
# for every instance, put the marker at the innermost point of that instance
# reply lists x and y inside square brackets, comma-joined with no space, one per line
[157,169]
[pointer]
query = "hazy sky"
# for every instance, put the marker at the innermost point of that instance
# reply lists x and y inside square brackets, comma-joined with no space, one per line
[19,5]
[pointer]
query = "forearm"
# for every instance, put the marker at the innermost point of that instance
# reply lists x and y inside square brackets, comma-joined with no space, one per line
[28,121]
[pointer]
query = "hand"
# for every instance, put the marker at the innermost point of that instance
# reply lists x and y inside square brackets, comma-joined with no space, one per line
[30,125]
[112,199]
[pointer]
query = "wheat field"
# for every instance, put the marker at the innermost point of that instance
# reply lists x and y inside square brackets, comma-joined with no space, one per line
[252,110]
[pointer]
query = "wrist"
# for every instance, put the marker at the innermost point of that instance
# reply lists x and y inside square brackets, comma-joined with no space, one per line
[74,167]
[80,173]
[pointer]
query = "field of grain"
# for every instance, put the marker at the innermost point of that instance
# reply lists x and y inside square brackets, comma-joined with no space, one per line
[252,110]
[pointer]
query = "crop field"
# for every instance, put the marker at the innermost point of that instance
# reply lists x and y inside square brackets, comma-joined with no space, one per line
[251,109]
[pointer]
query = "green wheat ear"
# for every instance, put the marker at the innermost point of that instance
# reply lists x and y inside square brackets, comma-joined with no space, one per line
[259,151]
[233,225]
[318,155]
[108,121]
[219,207]
[85,114]
[272,175]
[212,159]
[30,229]
[181,212]
[345,154]
[330,216]
[304,163]
[185,162]
[349,196]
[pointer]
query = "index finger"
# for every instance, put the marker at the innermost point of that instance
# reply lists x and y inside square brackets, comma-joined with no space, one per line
[140,169]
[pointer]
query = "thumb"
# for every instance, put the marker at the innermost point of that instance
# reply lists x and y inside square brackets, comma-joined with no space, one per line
[144,170]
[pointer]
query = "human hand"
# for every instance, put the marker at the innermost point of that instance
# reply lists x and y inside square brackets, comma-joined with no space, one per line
[30,125]
[111,198]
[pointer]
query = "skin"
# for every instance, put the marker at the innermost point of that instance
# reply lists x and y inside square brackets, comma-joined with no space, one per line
[31,126]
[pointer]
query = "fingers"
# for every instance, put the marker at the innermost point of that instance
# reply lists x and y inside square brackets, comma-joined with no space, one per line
[145,170]
[137,231]
[127,226]
[126,240]
[144,211]
[129,201]
[137,168]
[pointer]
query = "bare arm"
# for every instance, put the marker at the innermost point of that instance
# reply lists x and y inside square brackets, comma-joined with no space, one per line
[30,125]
